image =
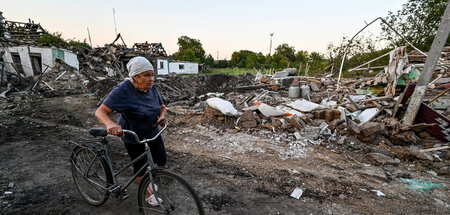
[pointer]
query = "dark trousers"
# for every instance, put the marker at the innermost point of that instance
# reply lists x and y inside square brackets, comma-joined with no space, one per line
[157,149]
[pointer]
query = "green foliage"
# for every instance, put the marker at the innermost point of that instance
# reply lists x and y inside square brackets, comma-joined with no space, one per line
[361,50]
[278,61]
[248,59]
[55,39]
[317,62]
[77,43]
[287,51]
[209,60]
[190,49]
[223,64]
[417,21]
[302,56]
[231,71]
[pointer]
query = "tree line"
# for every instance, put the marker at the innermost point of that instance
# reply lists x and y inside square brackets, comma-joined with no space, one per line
[417,21]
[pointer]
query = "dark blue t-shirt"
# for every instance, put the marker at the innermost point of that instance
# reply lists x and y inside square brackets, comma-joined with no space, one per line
[138,110]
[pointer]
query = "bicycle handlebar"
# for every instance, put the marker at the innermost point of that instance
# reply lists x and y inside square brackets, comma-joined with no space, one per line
[144,140]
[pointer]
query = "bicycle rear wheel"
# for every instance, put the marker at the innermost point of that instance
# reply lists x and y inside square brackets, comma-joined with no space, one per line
[177,195]
[91,175]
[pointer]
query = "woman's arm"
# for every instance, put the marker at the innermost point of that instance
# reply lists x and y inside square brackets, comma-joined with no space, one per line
[162,115]
[102,113]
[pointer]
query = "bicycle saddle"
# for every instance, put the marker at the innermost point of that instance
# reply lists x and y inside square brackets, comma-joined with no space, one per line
[98,132]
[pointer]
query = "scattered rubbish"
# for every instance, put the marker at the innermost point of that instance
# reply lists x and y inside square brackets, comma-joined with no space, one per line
[379,193]
[420,184]
[11,185]
[223,106]
[297,193]
[8,192]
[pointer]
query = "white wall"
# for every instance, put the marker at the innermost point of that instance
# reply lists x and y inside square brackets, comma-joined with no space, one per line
[71,59]
[24,57]
[47,58]
[174,67]
[162,70]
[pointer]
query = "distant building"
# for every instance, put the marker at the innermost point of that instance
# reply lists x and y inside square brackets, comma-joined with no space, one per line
[165,67]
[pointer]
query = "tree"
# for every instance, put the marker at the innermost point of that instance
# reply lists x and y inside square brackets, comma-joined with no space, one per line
[417,21]
[190,49]
[209,60]
[278,61]
[361,50]
[223,64]
[286,51]
[244,59]
[302,56]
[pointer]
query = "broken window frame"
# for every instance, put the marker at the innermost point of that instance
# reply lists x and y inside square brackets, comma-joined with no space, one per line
[17,62]
[36,63]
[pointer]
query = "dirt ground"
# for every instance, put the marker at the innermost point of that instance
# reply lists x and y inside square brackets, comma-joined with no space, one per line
[234,171]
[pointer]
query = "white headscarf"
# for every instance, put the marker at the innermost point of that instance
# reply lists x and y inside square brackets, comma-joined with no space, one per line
[138,65]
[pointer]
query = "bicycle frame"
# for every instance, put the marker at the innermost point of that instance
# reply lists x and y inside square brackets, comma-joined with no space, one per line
[149,167]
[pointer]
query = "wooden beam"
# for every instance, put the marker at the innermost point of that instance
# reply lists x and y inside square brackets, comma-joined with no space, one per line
[434,149]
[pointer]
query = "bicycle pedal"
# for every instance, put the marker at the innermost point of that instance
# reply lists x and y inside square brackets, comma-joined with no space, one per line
[113,188]
[125,195]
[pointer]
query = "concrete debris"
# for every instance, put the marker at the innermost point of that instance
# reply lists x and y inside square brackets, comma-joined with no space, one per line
[297,193]
[303,106]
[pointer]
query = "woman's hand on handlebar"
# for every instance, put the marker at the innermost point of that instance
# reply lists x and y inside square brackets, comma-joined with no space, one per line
[115,129]
[161,121]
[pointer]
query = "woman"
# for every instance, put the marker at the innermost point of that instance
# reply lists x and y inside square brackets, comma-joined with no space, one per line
[140,107]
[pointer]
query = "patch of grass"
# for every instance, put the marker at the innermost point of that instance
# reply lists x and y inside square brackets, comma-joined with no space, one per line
[71,109]
[230,71]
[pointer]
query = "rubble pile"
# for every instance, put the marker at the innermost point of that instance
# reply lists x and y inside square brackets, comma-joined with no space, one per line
[349,117]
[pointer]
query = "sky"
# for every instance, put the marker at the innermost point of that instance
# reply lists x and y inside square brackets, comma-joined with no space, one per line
[221,26]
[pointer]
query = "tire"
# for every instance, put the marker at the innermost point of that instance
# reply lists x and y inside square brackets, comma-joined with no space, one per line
[93,186]
[178,196]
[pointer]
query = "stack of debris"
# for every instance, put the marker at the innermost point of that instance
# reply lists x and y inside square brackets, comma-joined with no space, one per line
[318,114]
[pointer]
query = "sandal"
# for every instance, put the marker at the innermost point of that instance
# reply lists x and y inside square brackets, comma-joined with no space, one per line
[152,200]
[150,190]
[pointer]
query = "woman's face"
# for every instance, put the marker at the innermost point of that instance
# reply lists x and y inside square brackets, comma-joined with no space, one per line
[144,81]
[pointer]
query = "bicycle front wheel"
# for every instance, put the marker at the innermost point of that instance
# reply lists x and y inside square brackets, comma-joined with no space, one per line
[177,195]
[91,175]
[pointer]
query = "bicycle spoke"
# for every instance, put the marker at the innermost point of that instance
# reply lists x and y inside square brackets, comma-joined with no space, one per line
[90,175]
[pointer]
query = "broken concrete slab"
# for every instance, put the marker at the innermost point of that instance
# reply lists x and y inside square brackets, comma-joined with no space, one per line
[369,128]
[269,111]
[382,159]
[367,115]
[303,105]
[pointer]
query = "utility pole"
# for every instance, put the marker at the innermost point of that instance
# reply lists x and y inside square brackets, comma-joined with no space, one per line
[217,58]
[114,16]
[89,35]
[270,49]
[428,69]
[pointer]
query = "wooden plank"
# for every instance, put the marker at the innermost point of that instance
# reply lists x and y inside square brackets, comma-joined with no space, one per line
[434,149]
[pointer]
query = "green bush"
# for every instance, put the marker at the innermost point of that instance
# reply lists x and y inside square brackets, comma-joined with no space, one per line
[56,40]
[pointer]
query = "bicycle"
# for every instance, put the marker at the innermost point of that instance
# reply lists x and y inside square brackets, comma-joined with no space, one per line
[96,179]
